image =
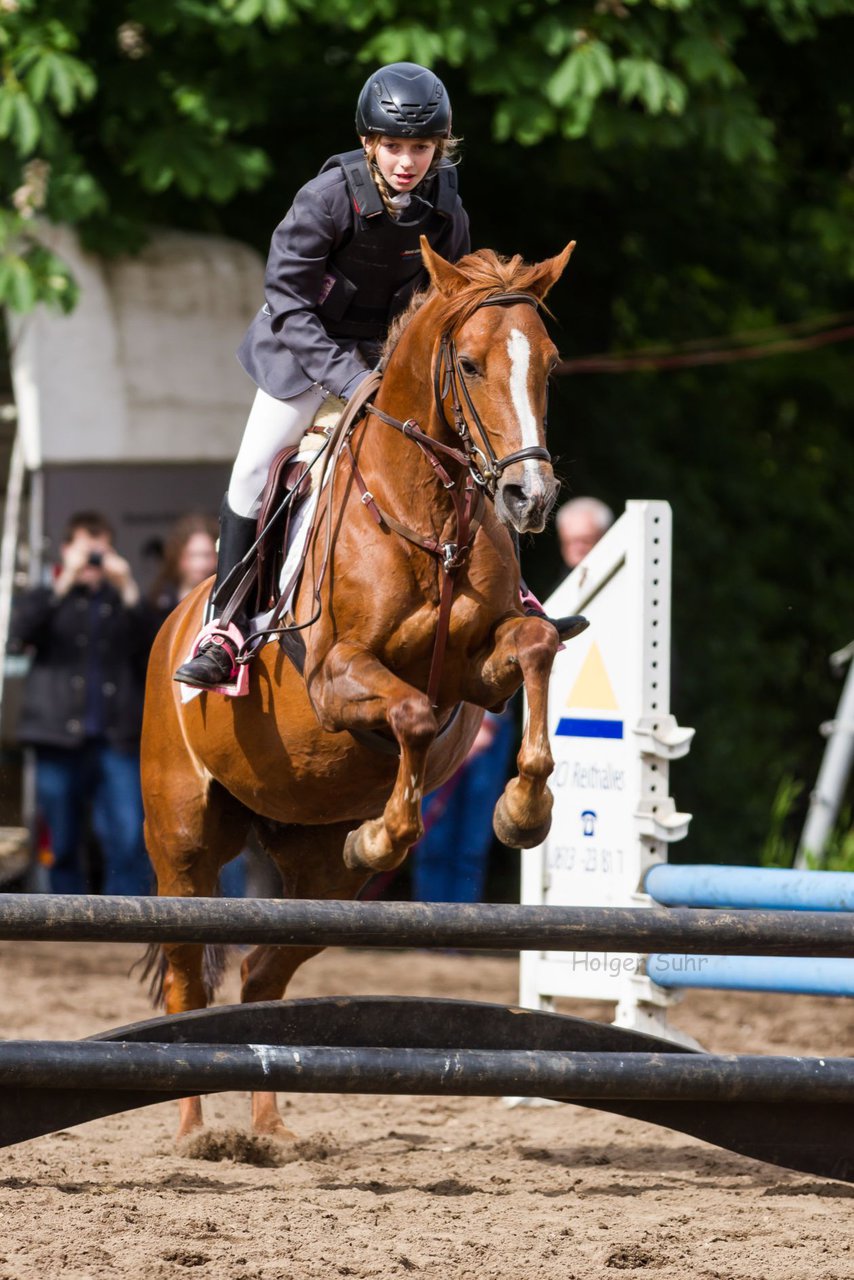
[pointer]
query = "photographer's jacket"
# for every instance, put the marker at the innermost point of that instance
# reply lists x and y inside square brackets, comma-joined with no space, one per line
[340,269]
[87,679]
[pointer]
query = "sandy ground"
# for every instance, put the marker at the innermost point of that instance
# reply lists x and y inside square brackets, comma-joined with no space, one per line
[394,1187]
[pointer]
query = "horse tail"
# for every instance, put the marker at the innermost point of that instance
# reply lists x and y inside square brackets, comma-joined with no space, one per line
[153,967]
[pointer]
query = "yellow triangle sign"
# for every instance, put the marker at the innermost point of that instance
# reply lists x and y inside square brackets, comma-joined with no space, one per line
[593,689]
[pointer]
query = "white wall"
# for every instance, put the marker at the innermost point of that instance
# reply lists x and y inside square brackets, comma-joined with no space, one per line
[143,370]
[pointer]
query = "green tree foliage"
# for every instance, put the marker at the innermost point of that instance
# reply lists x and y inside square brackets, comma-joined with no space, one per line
[700,152]
[117,104]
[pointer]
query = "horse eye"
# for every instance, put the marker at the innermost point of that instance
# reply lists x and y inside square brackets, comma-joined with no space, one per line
[468,367]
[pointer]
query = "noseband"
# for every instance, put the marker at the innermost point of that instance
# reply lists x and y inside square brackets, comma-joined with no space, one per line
[448,378]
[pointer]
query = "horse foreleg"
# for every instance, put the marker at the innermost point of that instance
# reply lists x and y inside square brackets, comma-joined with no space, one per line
[353,690]
[525,646]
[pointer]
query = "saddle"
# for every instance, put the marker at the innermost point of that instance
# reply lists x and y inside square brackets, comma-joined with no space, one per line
[295,473]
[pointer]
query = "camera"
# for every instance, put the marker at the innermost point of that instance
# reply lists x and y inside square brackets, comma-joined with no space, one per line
[96,558]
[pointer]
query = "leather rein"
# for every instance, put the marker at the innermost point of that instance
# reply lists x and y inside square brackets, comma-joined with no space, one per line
[482,471]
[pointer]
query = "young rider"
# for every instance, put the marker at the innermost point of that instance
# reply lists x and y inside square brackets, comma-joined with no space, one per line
[343,263]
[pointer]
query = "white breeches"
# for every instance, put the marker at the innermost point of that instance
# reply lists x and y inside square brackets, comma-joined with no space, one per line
[272,425]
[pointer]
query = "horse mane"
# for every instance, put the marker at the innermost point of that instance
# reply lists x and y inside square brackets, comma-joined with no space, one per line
[486,272]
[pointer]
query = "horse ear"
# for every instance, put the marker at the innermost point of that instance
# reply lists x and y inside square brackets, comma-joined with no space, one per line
[446,278]
[546,274]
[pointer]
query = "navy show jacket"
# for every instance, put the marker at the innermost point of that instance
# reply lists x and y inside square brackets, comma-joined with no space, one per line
[287,349]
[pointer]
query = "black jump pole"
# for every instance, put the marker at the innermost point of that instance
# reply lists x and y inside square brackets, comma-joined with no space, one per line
[211,1068]
[484,926]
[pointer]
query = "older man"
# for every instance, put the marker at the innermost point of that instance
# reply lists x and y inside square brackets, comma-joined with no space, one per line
[581,522]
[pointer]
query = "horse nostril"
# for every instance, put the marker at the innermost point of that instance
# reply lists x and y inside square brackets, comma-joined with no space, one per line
[514,495]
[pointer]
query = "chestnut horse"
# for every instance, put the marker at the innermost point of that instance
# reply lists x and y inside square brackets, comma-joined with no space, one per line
[292,757]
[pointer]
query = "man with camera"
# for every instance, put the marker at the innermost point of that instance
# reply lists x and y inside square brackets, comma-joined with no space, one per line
[89,636]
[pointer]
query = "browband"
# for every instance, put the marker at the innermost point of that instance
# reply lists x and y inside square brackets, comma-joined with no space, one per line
[509,299]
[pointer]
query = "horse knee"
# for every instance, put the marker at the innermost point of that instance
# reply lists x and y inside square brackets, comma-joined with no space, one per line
[537,644]
[412,720]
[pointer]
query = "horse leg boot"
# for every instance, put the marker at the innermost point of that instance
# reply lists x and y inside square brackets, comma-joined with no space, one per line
[353,690]
[528,646]
[214,664]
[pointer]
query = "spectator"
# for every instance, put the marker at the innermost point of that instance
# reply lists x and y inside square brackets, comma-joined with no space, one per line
[82,706]
[449,862]
[188,558]
[581,522]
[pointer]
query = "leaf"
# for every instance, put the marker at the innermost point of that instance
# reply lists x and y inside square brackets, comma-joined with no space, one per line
[524,118]
[586,73]
[63,83]
[247,11]
[8,98]
[650,83]
[27,126]
[576,118]
[705,63]
[17,284]
[37,78]
[277,13]
[554,34]
[456,44]
[64,78]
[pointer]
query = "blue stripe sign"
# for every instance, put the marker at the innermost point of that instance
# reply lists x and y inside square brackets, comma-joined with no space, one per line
[571,727]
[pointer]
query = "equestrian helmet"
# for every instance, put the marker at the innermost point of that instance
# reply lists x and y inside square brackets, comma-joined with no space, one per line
[404,100]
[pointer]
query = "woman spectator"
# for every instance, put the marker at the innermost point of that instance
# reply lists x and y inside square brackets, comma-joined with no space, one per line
[189,557]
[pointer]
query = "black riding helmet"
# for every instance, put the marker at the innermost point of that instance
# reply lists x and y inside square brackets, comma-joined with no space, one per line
[404,100]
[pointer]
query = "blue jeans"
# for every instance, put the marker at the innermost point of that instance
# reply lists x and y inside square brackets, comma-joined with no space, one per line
[449,861]
[104,780]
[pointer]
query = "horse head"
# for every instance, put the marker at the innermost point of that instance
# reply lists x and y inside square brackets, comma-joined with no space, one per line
[491,371]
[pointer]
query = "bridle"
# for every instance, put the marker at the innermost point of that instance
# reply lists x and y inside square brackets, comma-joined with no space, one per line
[448,378]
[481,461]
[482,471]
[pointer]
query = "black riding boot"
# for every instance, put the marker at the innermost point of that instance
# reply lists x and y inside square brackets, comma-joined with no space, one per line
[567,627]
[214,663]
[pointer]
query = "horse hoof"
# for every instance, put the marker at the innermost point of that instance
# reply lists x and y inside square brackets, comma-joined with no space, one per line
[352,858]
[514,836]
[276,1130]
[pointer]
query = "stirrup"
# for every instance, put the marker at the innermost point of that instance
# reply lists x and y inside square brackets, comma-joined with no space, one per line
[238,685]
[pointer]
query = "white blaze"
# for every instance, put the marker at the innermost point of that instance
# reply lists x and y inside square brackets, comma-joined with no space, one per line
[519,351]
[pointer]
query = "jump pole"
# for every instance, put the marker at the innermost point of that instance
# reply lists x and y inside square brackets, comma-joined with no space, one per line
[749,889]
[501,927]
[34,1064]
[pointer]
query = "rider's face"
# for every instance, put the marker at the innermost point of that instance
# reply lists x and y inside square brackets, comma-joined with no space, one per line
[403,162]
